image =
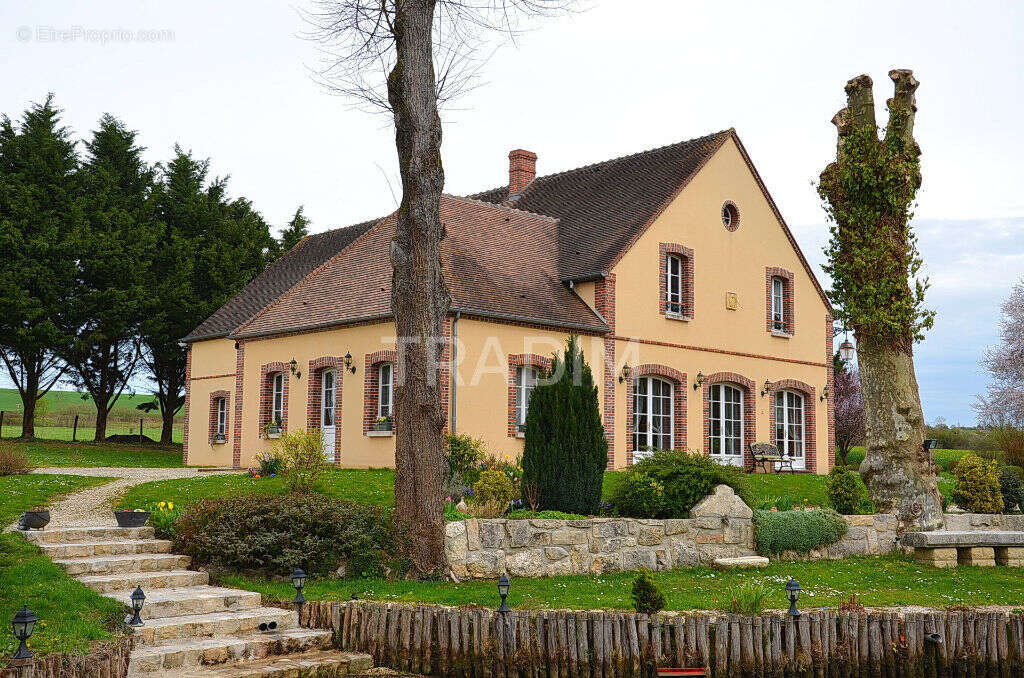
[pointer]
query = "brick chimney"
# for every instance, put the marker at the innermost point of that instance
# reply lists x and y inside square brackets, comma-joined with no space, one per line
[522,168]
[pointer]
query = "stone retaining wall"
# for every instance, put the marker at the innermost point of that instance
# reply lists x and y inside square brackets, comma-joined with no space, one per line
[721,526]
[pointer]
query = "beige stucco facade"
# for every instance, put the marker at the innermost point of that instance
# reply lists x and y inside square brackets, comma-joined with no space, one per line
[717,341]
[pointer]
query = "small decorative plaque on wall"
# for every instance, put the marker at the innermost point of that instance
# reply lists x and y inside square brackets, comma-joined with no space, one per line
[731,301]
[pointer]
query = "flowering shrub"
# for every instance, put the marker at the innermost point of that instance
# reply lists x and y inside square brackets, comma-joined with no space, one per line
[163,518]
[977,485]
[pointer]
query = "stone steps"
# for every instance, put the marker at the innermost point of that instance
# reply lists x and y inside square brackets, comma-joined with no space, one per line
[187,600]
[64,535]
[211,624]
[157,659]
[107,583]
[134,562]
[304,665]
[89,549]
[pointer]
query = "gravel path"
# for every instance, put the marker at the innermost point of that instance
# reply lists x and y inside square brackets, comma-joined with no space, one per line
[92,507]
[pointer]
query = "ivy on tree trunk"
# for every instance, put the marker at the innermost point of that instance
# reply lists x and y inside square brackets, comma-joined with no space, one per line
[873,260]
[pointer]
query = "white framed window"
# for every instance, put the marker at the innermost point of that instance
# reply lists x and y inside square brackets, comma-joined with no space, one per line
[789,424]
[726,423]
[526,382]
[327,398]
[674,284]
[222,416]
[778,303]
[385,389]
[277,404]
[653,403]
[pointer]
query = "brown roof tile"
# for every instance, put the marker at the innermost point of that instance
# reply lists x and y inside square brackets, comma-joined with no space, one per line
[498,263]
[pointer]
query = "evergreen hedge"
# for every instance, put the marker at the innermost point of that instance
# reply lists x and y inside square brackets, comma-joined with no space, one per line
[566,451]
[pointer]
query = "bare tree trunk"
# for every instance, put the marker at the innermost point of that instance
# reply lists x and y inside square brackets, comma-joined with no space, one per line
[29,400]
[101,422]
[419,297]
[899,472]
[167,429]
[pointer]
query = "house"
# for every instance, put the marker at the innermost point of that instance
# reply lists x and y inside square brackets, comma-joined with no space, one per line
[702,320]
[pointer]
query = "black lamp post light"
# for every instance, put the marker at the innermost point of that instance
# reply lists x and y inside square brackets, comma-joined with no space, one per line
[503,586]
[298,581]
[793,593]
[138,598]
[24,623]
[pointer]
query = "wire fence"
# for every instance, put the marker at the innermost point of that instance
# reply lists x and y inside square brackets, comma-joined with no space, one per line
[75,426]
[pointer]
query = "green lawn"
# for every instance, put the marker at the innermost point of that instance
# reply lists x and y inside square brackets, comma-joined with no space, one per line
[57,453]
[73,616]
[878,580]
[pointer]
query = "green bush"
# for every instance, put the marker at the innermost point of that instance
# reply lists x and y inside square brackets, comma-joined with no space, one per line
[12,460]
[304,462]
[684,477]
[566,451]
[845,490]
[274,535]
[639,495]
[800,531]
[271,463]
[977,485]
[494,487]
[750,597]
[464,456]
[545,515]
[647,599]
[1011,488]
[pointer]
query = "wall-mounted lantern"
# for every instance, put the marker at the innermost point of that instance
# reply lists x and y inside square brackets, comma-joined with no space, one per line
[699,381]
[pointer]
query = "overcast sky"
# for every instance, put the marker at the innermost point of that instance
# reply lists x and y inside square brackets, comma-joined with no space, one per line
[230,80]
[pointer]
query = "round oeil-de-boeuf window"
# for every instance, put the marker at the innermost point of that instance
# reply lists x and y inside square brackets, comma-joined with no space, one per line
[730,215]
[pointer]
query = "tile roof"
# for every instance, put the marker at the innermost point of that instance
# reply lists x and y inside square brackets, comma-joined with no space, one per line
[277,279]
[603,207]
[498,263]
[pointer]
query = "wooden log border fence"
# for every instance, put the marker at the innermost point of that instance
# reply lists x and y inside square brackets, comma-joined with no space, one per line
[471,642]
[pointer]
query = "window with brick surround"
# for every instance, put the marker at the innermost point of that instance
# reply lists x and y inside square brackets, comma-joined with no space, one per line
[727,423]
[386,390]
[789,424]
[277,404]
[524,372]
[219,416]
[778,300]
[675,281]
[526,382]
[273,396]
[652,415]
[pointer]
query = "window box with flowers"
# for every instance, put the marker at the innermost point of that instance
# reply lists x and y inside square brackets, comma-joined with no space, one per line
[383,426]
[219,439]
[273,430]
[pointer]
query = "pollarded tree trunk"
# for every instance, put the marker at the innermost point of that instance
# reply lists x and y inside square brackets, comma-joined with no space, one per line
[873,261]
[419,297]
[899,472]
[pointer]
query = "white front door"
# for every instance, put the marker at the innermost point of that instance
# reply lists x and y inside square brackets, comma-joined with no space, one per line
[789,427]
[327,422]
[727,424]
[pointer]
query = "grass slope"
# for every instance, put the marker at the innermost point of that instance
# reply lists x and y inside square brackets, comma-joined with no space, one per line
[58,453]
[878,580]
[73,616]
[10,401]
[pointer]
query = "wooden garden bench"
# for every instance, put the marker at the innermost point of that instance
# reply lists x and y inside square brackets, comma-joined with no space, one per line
[768,453]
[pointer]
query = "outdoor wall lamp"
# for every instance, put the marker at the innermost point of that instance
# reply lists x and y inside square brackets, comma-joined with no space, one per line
[767,388]
[138,598]
[824,393]
[348,363]
[24,623]
[699,381]
[503,586]
[298,581]
[294,366]
[793,593]
[625,374]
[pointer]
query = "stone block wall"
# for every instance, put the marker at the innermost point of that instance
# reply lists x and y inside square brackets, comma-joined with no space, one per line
[720,526]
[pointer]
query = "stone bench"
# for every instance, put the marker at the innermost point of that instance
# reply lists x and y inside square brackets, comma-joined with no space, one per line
[946,548]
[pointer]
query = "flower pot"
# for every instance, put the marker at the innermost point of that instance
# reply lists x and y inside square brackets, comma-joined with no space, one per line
[34,520]
[219,440]
[131,518]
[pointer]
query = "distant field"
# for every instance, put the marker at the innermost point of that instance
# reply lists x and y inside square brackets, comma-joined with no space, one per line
[59,408]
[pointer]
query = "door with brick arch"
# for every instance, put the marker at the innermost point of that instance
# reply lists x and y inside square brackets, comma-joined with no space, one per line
[327,412]
[726,420]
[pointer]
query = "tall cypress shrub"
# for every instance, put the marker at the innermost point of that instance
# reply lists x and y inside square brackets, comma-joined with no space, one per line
[566,451]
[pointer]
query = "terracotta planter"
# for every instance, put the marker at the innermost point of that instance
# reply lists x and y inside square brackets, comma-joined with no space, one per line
[131,518]
[34,520]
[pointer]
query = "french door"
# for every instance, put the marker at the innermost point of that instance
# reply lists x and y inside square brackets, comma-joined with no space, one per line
[327,412]
[652,416]
[727,424]
[789,426]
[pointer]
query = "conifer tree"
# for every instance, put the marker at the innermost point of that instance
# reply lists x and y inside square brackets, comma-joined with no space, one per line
[295,231]
[566,450]
[40,237]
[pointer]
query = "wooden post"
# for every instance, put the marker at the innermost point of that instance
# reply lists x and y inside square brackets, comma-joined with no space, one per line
[140,430]
[1,423]
[74,430]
